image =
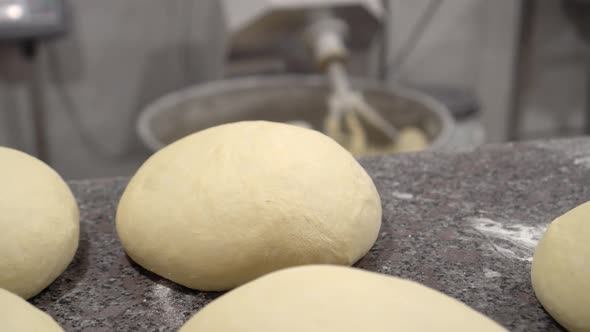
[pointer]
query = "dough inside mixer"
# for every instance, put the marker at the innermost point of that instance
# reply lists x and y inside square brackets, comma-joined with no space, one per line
[362,143]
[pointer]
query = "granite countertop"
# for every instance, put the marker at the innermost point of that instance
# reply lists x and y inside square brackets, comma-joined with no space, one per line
[465,224]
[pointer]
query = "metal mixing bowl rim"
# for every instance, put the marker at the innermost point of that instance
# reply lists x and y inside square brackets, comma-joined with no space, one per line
[168,101]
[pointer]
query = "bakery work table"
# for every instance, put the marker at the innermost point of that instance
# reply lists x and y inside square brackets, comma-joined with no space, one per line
[465,224]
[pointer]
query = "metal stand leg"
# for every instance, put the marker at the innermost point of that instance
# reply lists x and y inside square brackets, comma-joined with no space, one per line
[39,120]
[521,68]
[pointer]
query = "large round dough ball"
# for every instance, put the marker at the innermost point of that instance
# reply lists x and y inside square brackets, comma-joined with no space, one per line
[39,224]
[561,269]
[323,298]
[18,315]
[231,203]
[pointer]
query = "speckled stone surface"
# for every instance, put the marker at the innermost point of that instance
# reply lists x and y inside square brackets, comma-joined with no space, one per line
[465,224]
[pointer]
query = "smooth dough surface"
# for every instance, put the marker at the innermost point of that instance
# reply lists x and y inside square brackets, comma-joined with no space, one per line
[18,315]
[231,203]
[327,298]
[561,269]
[39,224]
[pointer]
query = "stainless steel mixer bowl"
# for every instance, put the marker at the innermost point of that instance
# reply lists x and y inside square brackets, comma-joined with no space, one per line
[281,99]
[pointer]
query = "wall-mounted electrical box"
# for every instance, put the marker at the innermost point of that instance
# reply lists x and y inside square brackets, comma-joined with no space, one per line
[31,19]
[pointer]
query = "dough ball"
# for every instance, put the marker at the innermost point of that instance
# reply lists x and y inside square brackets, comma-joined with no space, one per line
[231,203]
[39,224]
[327,298]
[18,315]
[561,269]
[411,139]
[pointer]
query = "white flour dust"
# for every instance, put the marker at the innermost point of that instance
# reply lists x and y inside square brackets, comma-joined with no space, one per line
[401,195]
[164,299]
[488,273]
[513,241]
[584,161]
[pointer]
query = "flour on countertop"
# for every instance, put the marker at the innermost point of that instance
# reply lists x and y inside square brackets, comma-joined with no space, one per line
[488,273]
[164,295]
[401,195]
[514,241]
[385,269]
[584,161]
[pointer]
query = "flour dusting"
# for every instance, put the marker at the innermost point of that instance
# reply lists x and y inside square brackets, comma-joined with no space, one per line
[584,161]
[164,298]
[514,241]
[385,269]
[401,195]
[488,273]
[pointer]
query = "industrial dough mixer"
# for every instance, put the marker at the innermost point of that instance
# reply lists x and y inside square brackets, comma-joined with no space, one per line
[362,116]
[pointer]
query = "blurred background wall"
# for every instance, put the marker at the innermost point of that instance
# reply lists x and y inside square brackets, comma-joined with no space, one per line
[118,56]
